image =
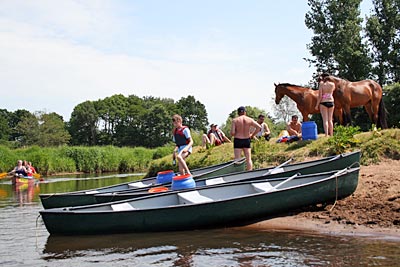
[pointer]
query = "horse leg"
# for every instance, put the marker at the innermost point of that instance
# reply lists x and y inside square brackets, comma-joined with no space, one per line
[305,116]
[347,116]
[338,115]
[373,115]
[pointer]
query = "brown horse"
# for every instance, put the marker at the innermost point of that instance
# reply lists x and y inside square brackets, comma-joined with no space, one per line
[305,97]
[367,93]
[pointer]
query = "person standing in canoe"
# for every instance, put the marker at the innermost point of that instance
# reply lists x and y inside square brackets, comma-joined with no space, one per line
[184,143]
[242,136]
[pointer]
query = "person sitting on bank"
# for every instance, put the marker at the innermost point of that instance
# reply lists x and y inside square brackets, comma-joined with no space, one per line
[214,137]
[265,132]
[294,127]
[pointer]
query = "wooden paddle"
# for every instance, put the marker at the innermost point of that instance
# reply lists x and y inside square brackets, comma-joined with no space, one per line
[5,174]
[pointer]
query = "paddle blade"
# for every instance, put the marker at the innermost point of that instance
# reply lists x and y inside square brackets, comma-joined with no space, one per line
[3,174]
[36,175]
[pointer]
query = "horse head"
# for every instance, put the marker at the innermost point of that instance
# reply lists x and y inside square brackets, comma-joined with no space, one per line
[278,93]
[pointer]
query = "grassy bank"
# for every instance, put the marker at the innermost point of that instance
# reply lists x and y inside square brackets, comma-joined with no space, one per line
[374,145]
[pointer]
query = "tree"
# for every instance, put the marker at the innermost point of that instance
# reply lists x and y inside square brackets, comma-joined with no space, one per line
[193,113]
[5,129]
[43,129]
[383,32]
[337,44]
[83,125]
[13,120]
[392,100]
[111,111]
[52,130]
[285,109]
[156,127]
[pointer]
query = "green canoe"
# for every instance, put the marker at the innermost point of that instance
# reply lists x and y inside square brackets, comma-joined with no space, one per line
[209,207]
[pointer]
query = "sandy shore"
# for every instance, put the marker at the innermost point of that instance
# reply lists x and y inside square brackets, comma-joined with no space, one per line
[372,211]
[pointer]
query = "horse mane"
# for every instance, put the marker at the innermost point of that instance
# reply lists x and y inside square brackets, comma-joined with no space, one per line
[294,85]
[339,81]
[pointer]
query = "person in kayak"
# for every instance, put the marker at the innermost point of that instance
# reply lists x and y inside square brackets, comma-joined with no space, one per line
[19,170]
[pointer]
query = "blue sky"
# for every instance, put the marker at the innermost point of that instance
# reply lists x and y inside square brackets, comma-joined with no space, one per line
[57,54]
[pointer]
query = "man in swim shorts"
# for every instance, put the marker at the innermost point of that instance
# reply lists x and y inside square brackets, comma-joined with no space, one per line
[240,130]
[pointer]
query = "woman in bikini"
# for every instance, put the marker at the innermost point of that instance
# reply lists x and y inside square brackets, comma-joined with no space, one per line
[326,104]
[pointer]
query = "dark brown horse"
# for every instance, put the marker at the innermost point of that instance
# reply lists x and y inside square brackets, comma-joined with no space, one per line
[305,97]
[367,93]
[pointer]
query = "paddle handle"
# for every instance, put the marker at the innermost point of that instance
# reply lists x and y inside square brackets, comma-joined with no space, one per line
[287,180]
[277,167]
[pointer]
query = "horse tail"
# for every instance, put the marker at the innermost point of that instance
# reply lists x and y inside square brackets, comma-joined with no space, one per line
[346,118]
[382,115]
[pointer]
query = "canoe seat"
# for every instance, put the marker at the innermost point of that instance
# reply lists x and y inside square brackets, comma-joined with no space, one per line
[137,185]
[219,180]
[122,207]
[193,197]
[92,192]
[276,170]
[263,187]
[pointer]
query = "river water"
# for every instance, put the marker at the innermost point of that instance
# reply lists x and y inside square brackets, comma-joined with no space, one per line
[24,240]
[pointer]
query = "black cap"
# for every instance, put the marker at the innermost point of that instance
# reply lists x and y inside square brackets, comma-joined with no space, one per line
[212,125]
[241,109]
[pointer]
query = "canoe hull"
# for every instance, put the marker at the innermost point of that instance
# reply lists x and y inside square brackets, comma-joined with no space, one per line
[229,212]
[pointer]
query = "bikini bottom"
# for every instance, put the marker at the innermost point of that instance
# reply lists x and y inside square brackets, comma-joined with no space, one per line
[327,104]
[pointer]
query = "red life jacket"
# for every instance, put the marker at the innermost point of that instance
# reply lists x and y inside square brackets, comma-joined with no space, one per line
[219,138]
[180,138]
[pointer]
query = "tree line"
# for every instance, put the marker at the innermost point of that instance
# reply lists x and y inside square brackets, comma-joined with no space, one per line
[116,120]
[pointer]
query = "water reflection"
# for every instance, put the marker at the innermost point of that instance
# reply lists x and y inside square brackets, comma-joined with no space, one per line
[24,193]
[224,247]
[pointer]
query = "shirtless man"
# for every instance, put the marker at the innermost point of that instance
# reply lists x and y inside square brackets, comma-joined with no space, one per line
[242,137]
[294,127]
[326,103]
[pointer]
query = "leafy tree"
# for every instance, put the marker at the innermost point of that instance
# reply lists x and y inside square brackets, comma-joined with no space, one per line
[193,113]
[156,127]
[129,131]
[111,111]
[28,130]
[285,109]
[13,120]
[43,129]
[5,129]
[337,45]
[52,130]
[392,100]
[383,32]
[83,125]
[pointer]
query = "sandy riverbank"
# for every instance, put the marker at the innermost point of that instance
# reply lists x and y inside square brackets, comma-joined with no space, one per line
[373,210]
